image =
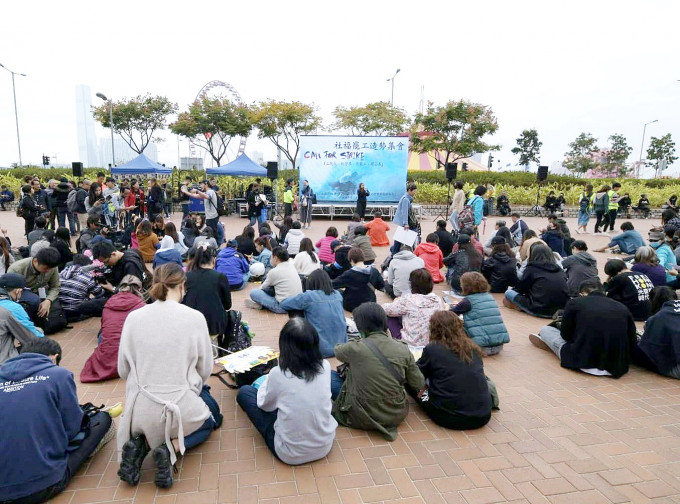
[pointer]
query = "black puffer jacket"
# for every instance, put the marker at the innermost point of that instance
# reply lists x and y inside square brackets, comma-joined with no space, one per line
[542,289]
[500,271]
[60,194]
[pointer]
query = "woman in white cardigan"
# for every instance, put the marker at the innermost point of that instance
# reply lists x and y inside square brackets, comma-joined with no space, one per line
[165,357]
[307,260]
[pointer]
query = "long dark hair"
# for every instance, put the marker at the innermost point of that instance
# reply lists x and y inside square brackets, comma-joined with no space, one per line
[92,197]
[299,347]
[319,280]
[306,245]
[249,232]
[171,230]
[474,259]
[660,295]
[201,256]
[541,254]
[505,233]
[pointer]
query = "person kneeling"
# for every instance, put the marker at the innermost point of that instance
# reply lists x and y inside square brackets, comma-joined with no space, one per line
[457,394]
[291,406]
[596,334]
[371,395]
[46,435]
[166,358]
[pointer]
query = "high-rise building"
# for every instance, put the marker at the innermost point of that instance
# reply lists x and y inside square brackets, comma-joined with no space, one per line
[87,141]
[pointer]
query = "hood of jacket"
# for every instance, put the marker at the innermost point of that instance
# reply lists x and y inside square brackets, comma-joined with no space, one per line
[366,270]
[549,267]
[168,254]
[503,257]
[227,252]
[23,366]
[124,302]
[63,187]
[585,258]
[430,248]
[425,301]
[600,195]
[295,232]
[69,271]
[404,255]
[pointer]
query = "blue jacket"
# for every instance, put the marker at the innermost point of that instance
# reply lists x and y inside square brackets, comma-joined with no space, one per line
[232,264]
[265,257]
[325,313]
[401,214]
[477,204]
[483,322]
[628,241]
[40,414]
[667,259]
[19,313]
[162,257]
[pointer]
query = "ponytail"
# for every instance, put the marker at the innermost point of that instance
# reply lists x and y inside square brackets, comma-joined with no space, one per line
[201,255]
[166,277]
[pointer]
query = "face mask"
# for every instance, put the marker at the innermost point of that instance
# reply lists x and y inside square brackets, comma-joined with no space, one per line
[655,245]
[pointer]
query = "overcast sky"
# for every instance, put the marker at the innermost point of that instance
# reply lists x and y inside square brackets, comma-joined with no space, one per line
[602,67]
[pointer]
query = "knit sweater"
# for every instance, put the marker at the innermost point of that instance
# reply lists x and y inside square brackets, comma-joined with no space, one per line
[285,280]
[165,350]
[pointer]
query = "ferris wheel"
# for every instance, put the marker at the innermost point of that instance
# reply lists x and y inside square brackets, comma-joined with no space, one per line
[221,89]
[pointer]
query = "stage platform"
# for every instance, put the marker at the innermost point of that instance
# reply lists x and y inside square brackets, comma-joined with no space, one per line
[346,210]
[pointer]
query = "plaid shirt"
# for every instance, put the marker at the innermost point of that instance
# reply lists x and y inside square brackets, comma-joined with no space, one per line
[76,287]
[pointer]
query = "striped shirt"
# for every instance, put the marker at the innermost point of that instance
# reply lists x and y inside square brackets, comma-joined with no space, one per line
[76,286]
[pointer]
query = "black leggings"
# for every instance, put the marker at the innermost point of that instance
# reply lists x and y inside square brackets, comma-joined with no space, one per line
[611,221]
[599,214]
[361,209]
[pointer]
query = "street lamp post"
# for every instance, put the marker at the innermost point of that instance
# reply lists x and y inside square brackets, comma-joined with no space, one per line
[392,79]
[644,130]
[16,114]
[113,153]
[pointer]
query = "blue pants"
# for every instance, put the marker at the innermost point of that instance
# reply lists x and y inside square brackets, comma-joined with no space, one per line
[212,423]
[30,302]
[262,420]
[267,301]
[62,214]
[336,384]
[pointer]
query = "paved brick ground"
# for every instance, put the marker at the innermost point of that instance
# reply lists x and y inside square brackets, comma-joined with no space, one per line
[560,436]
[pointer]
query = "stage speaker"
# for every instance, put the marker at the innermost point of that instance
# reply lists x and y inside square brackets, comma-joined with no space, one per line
[272,170]
[77,169]
[451,171]
[542,173]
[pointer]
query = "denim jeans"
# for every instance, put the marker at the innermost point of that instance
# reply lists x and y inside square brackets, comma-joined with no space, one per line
[511,295]
[267,301]
[453,219]
[262,420]
[30,301]
[551,336]
[62,214]
[336,384]
[214,422]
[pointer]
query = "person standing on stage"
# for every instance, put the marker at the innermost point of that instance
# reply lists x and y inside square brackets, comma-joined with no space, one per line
[307,198]
[362,194]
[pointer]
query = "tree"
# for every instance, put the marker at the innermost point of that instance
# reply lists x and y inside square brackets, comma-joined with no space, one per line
[661,153]
[378,119]
[283,123]
[528,147]
[613,160]
[212,123]
[579,159]
[454,131]
[136,119]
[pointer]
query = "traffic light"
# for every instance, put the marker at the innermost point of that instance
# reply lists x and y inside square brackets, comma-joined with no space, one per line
[46,160]
[490,163]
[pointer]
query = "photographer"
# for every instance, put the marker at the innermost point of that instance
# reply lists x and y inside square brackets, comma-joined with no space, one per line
[80,294]
[86,239]
[129,262]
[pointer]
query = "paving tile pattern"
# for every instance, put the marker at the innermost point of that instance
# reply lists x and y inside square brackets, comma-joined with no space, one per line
[560,437]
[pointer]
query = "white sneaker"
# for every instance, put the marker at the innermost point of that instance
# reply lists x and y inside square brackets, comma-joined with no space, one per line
[252,304]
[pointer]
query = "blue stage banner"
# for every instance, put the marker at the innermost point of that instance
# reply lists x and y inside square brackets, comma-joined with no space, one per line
[336,165]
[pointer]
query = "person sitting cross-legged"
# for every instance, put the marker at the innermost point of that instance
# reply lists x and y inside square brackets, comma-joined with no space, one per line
[46,436]
[542,289]
[42,282]
[457,394]
[629,288]
[377,230]
[79,294]
[659,348]
[625,243]
[322,307]
[11,288]
[399,271]
[291,406]
[233,265]
[371,395]
[433,257]
[282,282]
[359,283]
[596,334]
[481,316]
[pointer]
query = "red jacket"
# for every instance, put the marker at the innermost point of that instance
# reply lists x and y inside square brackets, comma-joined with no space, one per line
[434,260]
[377,229]
[103,363]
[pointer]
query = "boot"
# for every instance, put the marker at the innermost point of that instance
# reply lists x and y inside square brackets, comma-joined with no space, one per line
[164,469]
[134,452]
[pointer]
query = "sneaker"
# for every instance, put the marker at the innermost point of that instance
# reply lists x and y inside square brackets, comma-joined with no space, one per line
[252,304]
[107,437]
[509,304]
[134,452]
[538,342]
[161,459]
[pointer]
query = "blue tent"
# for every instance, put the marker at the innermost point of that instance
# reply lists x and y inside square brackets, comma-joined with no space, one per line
[242,166]
[141,164]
